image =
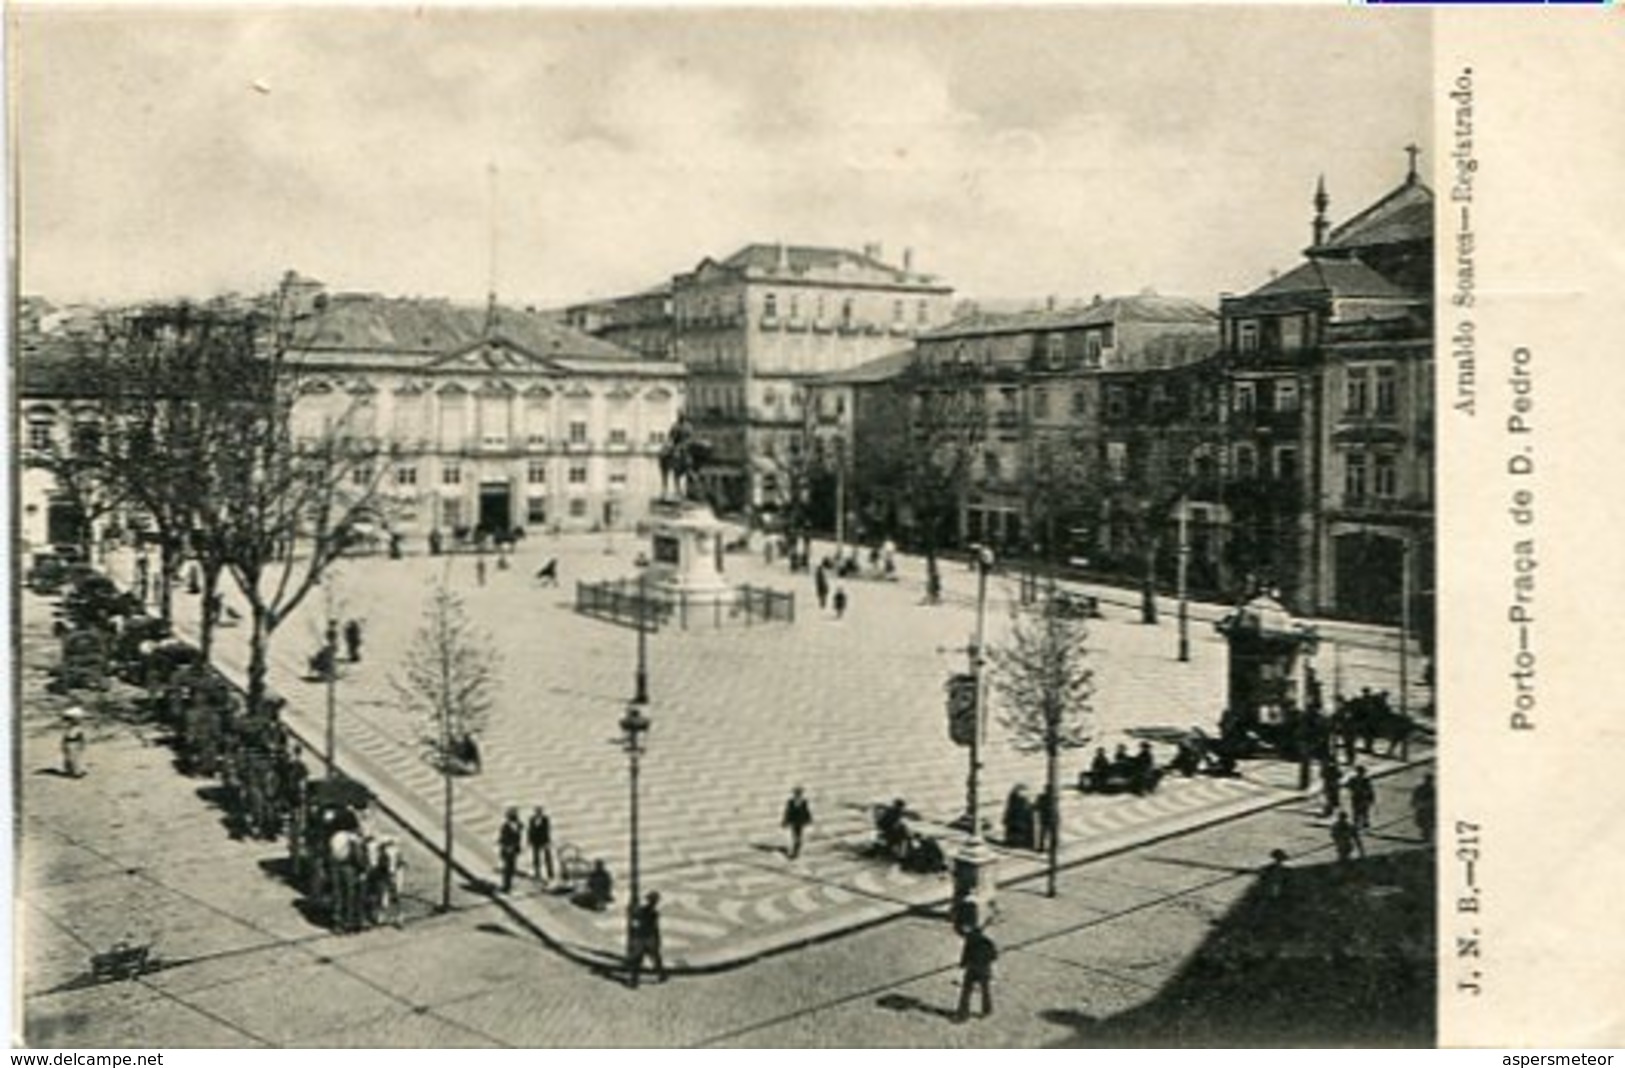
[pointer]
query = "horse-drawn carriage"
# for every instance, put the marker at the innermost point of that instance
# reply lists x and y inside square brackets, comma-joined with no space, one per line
[353,876]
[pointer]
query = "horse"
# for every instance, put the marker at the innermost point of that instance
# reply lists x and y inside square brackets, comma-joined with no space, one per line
[346,858]
[386,880]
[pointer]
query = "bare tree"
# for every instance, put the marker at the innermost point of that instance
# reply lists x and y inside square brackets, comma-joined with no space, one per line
[174,380]
[1043,682]
[282,496]
[449,681]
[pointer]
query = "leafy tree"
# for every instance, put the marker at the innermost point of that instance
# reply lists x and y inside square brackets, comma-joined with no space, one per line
[1172,444]
[947,425]
[1042,680]
[449,682]
[78,461]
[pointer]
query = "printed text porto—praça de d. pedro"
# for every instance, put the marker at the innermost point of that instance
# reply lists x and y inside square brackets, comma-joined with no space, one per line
[1520,427]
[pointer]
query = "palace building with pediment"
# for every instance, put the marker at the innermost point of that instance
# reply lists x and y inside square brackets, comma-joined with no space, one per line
[495,419]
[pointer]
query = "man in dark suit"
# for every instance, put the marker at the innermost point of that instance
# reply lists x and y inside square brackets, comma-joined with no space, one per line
[510,839]
[539,836]
[797,816]
[646,938]
[976,960]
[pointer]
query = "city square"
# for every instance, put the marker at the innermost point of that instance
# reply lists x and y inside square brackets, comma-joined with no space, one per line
[562,590]
[734,905]
[851,709]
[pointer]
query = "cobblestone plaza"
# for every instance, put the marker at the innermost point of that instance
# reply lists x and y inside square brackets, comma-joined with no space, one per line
[852,709]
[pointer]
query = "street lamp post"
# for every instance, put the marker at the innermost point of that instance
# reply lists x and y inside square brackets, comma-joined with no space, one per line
[332,678]
[973,867]
[1184,590]
[634,725]
[1405,641]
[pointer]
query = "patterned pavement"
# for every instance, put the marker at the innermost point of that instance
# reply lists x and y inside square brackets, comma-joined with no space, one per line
[852,710]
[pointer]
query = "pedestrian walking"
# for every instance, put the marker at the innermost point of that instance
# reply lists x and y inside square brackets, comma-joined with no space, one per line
[821,585]
[1362,799]
[797,817]
[73,743]
[1423,801]
[352,640]
[479,570]
[539,836]
[646,938]
[1346,838]
[840,602]
[976,962]
[1331,784]
[1044,813]
[509,841]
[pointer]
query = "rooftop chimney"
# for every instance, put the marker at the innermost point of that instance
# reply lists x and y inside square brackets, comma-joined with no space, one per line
[784,257]
[908,261]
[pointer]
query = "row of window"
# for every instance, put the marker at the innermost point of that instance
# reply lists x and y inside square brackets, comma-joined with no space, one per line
[451,474]
[1371,390]
[454,511]
[1368,475]
[1283,333]
[715,309]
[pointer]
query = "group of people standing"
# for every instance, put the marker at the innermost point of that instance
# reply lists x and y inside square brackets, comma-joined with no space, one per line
[536,834]
[1029,823]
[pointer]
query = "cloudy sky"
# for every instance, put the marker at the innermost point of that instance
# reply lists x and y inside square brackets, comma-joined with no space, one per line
[1019,153]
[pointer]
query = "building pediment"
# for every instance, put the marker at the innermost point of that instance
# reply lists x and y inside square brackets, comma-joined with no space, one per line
[490,354]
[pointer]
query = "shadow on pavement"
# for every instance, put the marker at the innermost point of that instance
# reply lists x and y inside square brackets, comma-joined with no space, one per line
[1330,956]
[909,1003]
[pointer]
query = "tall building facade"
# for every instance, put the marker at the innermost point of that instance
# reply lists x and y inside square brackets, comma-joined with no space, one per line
[754,328]
[495,419]
[1040,379]
[1331,409]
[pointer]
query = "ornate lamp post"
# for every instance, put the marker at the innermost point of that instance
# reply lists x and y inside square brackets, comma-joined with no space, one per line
[973,867]
[1184,589]
[634,725]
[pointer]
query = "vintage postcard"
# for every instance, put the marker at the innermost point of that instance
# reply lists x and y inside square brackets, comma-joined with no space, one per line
[968,526]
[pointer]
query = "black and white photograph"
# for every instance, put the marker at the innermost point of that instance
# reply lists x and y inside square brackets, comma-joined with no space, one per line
[728,527]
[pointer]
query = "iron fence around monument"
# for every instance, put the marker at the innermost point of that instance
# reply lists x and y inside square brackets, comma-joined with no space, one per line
[626,602]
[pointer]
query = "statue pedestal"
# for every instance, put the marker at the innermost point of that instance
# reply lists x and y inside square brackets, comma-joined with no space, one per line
[685,557]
